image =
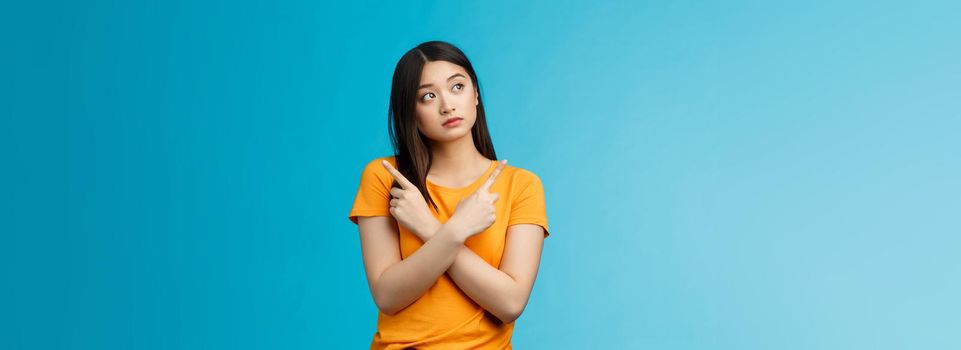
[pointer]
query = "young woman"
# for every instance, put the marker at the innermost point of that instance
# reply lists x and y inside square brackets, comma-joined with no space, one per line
[451,238]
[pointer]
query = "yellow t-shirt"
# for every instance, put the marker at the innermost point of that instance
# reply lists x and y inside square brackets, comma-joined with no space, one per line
[444,317]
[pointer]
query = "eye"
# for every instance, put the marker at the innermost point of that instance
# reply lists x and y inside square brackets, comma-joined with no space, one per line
[425,97]
[458,87]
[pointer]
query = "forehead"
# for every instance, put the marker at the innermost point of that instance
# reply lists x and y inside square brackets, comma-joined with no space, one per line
[439,71]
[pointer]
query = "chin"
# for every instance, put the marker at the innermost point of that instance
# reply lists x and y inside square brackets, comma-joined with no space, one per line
[443,136]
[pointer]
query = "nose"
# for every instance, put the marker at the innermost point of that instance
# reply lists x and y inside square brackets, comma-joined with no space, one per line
[445,107]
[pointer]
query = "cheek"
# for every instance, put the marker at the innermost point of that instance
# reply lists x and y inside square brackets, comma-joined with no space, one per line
[468,99]
[469,106]
[420,112]
[422,116]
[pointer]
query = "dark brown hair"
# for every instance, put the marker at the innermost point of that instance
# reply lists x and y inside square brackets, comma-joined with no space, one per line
[412,148]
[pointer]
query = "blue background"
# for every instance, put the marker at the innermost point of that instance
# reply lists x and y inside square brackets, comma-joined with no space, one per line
[735,175]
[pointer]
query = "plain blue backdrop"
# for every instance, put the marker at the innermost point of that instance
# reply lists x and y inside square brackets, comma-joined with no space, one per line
[727,175]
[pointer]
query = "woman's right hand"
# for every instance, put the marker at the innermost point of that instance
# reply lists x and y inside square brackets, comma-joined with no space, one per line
[476,212]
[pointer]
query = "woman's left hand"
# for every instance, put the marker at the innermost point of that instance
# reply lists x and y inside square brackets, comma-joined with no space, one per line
[409,208]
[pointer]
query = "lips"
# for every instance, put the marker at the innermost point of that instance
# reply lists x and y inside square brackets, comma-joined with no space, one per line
[452,120]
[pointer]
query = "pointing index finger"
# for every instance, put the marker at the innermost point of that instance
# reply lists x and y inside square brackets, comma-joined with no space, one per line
[404,183]
[490,180]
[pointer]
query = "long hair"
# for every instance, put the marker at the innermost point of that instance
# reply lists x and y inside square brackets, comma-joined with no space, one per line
[411,148]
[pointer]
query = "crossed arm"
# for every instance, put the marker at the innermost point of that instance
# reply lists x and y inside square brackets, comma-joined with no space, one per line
[396,283]
[504,292]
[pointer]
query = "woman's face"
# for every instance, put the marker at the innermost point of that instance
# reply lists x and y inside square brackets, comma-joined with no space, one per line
[445,94]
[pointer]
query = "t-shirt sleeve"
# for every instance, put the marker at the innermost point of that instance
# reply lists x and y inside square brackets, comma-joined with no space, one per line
[528,205]
[373,194]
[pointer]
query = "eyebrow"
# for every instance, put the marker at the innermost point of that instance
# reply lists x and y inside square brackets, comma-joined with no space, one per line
[448,79]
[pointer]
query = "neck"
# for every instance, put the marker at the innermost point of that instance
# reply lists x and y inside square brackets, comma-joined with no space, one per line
[455,157]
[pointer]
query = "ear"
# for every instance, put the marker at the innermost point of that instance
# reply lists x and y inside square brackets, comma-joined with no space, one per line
[476,98]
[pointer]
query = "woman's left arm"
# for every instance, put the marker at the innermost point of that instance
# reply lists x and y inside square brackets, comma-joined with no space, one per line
[503,292]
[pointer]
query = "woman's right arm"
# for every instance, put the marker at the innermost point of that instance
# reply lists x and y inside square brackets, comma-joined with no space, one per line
[395,283]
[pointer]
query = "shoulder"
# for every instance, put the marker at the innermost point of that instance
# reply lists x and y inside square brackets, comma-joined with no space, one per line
[374,169]
[375,164]
[522,176]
